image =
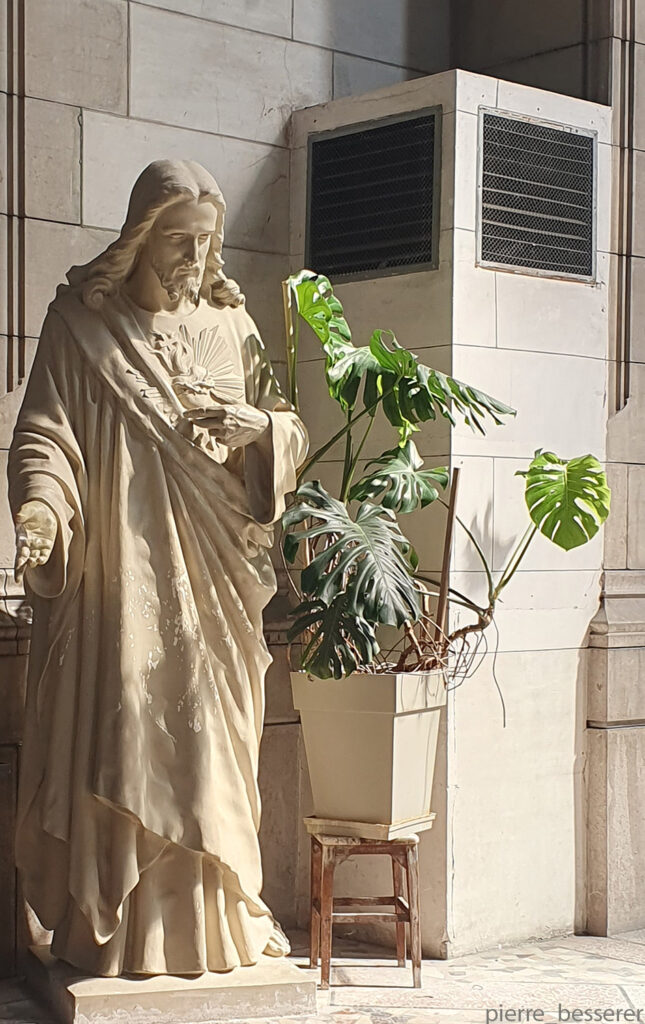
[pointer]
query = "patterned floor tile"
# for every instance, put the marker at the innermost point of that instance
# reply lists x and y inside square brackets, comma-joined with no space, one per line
[615,948]
[636,996]
[469,996]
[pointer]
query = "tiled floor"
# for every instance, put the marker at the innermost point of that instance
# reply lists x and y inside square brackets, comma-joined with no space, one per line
[605,977]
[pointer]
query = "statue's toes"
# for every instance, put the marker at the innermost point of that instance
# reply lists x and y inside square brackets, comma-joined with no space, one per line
[278,944]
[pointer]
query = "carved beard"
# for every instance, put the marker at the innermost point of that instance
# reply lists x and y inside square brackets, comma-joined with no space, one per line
[177,284]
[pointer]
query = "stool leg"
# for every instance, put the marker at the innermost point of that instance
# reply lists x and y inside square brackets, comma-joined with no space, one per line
[415,913]
[326,910]
[397,876]
[314,920]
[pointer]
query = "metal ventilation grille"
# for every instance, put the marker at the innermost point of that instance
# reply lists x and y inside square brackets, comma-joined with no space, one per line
[537,207]
[371,198]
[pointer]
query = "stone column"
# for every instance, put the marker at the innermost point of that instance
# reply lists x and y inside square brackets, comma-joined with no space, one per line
[616,696]
[616,758]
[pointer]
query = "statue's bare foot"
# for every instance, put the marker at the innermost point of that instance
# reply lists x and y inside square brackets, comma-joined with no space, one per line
[278,944]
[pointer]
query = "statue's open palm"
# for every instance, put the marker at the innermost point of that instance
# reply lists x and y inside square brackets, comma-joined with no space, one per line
[36,528]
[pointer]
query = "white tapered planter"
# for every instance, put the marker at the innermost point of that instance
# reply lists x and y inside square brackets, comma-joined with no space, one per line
[371,742]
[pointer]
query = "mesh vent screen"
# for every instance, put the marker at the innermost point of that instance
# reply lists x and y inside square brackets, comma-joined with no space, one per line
[537,197]
[371,198]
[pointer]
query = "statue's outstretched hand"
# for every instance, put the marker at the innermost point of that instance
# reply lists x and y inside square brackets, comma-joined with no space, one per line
[233,425]
[36,528]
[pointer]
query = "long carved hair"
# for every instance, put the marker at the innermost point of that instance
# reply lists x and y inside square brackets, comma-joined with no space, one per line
[159,186]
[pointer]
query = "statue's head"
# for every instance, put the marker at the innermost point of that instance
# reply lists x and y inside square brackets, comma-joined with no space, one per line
[175,223]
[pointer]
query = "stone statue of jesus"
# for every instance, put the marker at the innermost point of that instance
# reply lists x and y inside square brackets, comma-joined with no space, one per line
[153,451]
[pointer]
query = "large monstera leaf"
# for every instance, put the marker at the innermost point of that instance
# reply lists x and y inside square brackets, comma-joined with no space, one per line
[567,500]
[336,641]
[401,480]
[367,558]
[411,393]
[318,306]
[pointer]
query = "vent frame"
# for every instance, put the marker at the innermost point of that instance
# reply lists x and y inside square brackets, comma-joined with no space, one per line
[435,111]
[519,269]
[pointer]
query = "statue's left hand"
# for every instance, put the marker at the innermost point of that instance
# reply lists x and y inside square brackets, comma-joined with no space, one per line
[233,425]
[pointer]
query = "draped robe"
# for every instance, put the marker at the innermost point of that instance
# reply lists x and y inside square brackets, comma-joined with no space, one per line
[139,806]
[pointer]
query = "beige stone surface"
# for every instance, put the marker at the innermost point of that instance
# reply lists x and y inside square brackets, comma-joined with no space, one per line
[616,686]
[568,317]
[521,379]
[639,86]
[638,238]
[605,222]
[4,224]
[253,177]
[356,75]
[414,35]
[281,819]
[540,611]
[250,991]
[638,310]
[77,52]
[615,531]
[10,403]
[511,793]
[392,99]
[13,682]
[279,702]
[297,201]
[259,79]
[7,532]
[625,440]
[636,529]
[3,55]
[52,161]
[459,143]
[523,99]
[475,499]
[274,17]
[3,148]
[616,836]
[51,250]
[475,318]
[260,275]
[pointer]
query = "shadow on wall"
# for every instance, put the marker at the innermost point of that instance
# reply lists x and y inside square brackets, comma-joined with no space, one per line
[559,45]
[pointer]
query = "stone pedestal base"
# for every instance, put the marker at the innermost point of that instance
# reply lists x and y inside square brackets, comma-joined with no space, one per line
[272,988]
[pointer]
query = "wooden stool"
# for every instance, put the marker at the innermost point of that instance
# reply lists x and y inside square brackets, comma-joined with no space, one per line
[326,853]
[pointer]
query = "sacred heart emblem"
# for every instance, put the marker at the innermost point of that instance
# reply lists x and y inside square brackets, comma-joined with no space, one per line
[213,378]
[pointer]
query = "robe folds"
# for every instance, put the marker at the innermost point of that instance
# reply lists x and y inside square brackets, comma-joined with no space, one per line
[139,806]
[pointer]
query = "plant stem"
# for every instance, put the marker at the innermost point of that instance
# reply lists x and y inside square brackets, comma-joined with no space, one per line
[339,434]
[347,461]
[516,557]
[292,331]
[459,598]
[352,469]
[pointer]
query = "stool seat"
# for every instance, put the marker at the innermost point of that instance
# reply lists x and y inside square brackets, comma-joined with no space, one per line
[328,851]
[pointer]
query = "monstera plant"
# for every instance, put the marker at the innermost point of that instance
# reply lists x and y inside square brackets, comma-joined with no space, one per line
[348,557]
